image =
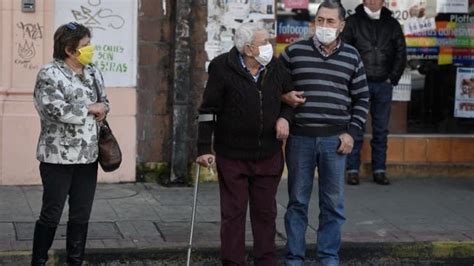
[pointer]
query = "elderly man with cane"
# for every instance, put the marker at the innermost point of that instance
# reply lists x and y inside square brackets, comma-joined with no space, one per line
[241,107]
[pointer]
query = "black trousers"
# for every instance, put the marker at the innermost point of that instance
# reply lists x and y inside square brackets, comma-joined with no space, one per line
[78,181]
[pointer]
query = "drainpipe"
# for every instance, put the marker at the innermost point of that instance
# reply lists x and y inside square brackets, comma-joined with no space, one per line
[181,93]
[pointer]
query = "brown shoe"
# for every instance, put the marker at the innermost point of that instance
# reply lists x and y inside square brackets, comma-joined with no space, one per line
[381,179]
[353,178]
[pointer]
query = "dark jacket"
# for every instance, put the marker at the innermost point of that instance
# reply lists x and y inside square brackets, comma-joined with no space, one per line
[381,44]
[246,111]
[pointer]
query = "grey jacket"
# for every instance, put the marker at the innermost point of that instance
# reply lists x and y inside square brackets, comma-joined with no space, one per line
[68,133]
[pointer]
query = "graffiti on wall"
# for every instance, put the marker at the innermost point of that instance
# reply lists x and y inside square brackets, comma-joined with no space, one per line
[97,16]
[29,37]
[105,58]
[113,26]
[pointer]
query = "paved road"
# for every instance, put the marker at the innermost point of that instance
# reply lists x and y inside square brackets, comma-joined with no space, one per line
[145,215]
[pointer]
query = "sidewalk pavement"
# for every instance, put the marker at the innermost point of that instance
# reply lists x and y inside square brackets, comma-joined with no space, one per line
[430,218]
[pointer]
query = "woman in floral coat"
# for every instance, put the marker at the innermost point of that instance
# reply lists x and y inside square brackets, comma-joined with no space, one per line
[66,98]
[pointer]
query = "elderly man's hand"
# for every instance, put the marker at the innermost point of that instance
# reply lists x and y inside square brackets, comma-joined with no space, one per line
[347,143]
[293,98]
[206,160]
[282,129]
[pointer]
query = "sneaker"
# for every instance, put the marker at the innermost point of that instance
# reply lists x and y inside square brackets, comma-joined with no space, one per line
[381,179]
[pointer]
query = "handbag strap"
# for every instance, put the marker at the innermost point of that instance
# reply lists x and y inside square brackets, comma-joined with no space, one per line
[94,84]
[99,97]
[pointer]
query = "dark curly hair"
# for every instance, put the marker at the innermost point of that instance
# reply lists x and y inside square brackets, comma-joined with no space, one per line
[67,36]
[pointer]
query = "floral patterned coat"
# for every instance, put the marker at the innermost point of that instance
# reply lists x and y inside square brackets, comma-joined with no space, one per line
[69,135]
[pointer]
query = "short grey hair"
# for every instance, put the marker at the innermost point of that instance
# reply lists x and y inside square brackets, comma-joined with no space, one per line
[333,4]
[245,34]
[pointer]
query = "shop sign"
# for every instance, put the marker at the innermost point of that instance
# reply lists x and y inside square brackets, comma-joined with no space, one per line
[452,42]
[290,30]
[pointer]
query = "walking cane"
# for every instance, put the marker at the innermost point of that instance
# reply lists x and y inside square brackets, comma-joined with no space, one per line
[196,184]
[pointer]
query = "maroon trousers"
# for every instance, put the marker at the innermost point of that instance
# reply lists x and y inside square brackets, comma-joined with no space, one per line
[252,183]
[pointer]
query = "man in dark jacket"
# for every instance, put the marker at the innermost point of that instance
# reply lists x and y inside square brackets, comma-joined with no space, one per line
[241,106]
[380,41]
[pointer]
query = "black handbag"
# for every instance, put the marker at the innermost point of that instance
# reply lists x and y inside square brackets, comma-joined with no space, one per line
[110,155]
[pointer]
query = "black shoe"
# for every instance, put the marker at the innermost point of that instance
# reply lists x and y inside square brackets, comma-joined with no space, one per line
[381,179]
[42,240]
[76,235]
[353,178]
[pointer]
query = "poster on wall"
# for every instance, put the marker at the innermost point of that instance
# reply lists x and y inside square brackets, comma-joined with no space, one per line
[225,16]
[452,6]
[114,35]
[464,98]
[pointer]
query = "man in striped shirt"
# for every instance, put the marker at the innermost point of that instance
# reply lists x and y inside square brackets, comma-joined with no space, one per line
[331,76]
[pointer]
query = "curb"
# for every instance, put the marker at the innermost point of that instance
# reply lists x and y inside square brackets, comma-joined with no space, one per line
[443,252]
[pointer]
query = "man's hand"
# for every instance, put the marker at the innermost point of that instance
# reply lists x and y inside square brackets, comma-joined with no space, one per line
[206,160]
[282,129]
[293,98]
[347,143]
[99,110]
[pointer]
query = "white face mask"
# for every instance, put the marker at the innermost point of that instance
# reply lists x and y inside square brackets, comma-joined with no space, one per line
[372,15]
[266,54]
[326,35]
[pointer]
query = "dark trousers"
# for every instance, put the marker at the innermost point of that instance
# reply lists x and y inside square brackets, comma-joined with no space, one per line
[380,106]
[253,183]
[78,181]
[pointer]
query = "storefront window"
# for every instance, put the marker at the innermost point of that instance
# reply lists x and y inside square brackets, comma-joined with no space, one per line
[437,90]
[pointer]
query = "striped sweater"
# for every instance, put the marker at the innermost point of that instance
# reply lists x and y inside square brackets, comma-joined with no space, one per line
[335,87]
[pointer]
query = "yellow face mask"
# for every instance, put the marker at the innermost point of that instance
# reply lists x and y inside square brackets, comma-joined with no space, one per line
[85,54]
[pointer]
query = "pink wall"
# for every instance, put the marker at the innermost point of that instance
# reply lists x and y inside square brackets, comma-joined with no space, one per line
[26,44]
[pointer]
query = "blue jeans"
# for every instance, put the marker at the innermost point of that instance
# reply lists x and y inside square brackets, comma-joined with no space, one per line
[380,106]
[303,155]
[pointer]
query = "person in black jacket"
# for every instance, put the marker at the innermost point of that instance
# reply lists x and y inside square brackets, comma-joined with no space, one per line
[380,41]
[241,107]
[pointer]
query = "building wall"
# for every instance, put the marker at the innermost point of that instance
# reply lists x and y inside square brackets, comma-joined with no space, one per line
[155,43]
[155,77]
[25,45]
[141,117]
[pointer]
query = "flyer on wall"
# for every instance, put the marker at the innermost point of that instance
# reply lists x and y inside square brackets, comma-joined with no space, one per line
[464,98]
[225,16]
